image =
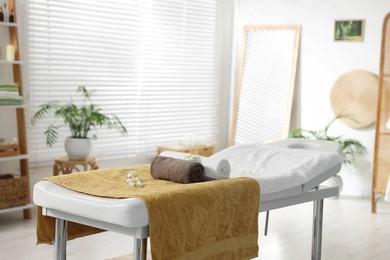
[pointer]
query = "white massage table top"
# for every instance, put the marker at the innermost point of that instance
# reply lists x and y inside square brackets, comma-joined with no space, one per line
[129,212]
[132,212]
[282,165]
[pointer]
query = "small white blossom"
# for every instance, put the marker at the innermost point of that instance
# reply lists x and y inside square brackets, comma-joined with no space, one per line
[134,179]
[188,157]
[131,174]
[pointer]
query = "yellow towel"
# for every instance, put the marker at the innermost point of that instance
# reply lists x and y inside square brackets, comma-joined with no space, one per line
[206,220]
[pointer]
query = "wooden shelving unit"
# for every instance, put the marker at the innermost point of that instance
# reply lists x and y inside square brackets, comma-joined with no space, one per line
[25,205]
[381,166]
[13,158]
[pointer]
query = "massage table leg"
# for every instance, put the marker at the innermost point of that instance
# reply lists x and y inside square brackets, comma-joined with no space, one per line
[266,223]
[144,248]
[140,248]
[318,208]
[61,234]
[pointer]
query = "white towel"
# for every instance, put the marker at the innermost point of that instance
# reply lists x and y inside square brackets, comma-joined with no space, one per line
[387,194]
[213,168]
[216,168]
[277,168]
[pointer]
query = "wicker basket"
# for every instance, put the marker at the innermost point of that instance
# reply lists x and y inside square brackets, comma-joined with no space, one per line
[9,150]
[13,192]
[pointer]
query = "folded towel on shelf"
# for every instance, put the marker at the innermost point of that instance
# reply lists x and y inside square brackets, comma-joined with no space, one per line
[213,168]
[11,100]
[9,87]
[16,98]
[8,84]
[176,170]
[8,94]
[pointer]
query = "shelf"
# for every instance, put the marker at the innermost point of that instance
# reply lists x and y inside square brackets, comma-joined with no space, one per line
[8,24]
[22,158]
[27,206]
[11,62]
[16,157]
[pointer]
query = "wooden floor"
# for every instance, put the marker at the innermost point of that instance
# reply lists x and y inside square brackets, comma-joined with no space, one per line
[350,232]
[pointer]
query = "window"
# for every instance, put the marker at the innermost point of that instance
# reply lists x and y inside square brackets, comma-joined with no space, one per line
[152,63]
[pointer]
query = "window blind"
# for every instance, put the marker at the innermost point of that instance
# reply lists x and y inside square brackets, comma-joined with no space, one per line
[152,63]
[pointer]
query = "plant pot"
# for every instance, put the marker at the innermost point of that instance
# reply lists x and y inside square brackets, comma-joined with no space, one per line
[78,148]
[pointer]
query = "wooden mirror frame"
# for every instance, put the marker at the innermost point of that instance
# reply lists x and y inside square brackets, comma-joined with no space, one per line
[381,163]
[294,44]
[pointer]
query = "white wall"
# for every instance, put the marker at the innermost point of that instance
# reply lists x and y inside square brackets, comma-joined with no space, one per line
[322,61]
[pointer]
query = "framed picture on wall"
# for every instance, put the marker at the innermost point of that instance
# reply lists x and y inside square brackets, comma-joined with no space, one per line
[349,30]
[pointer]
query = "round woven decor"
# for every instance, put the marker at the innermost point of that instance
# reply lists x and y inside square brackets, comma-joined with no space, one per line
[354,95]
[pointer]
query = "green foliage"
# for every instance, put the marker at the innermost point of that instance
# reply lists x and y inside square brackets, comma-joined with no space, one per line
[80,119]
[350,147]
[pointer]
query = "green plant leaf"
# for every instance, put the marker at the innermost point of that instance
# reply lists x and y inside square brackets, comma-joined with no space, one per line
[44,109]
[51,135]
[86,94]
[295,133]
[350,147]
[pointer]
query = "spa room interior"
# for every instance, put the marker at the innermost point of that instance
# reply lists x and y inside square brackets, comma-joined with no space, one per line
[194,129]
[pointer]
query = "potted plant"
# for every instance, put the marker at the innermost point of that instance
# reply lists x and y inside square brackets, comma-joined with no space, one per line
[350,147]
[81,119]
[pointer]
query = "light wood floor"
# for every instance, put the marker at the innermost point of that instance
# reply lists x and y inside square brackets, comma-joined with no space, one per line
[350,232]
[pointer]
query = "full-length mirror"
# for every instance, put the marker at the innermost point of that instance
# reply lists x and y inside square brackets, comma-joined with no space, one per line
[265,83]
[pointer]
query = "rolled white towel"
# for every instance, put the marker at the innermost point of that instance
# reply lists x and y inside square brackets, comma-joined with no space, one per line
[213,168]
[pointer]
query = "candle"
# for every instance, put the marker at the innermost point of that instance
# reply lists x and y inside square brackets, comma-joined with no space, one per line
[10,53]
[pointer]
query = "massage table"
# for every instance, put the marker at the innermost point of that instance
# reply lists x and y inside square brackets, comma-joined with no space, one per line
[130,216]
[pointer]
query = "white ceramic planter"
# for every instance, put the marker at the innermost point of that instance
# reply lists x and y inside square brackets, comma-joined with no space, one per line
[78,148]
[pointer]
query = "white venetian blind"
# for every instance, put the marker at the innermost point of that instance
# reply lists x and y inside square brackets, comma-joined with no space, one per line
[152,63]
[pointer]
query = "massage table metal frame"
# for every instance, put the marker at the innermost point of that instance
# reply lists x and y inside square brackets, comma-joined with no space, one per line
[309,191]
[140,234]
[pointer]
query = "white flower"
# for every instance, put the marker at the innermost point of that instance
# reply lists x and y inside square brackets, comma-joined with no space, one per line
[188,157]
[131,174]
[134,179]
